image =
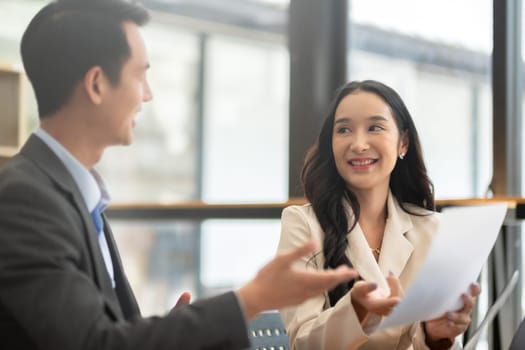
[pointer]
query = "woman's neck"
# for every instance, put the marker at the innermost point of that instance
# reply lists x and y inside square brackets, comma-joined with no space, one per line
[373,205]
[372,217]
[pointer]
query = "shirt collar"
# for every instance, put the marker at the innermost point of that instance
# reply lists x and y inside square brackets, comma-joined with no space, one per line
[89,182]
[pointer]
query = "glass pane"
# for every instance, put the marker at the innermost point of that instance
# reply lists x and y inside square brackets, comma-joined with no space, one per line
[245,151]
[232,251]
[279,3]
[14,18]
[443,74]
[164,258]
[161,260]
[161,163]
[440,21]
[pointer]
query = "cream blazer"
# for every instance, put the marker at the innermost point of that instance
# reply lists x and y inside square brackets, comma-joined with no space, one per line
[314,325]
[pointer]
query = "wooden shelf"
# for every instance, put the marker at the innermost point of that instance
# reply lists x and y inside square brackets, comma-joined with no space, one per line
[12,114]
[7,151]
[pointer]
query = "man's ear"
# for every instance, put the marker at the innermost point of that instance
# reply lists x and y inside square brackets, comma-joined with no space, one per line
[95,84]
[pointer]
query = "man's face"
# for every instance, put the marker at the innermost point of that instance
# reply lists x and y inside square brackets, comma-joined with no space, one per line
[124,100]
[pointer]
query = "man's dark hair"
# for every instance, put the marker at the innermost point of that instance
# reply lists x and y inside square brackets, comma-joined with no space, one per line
[68,37]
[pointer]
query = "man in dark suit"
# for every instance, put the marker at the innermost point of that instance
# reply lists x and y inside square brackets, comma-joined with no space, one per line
[61,280]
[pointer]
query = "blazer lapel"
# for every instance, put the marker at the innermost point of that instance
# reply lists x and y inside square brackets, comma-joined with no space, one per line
[45,159]
[396,248]
[360,254]
[363,260]
[102,278]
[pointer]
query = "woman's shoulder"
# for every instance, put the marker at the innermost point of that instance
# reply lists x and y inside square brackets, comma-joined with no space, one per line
[421,215]
[303,215]
[303,210]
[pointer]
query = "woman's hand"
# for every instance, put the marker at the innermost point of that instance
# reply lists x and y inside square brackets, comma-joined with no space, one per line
[367,298]
[452,324]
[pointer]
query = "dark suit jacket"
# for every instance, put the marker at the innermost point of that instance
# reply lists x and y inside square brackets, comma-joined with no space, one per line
[55,292]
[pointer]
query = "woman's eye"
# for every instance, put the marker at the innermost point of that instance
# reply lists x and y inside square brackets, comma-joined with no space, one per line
[375,128]
[343,130]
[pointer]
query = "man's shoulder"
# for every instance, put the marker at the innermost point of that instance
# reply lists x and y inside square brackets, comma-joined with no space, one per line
[18,168]
[20,176]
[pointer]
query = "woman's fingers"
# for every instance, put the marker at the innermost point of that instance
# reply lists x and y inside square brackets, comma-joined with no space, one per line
[470,299]
[475,290]
[396,290]
[362,288]
[373,299]
[452,324]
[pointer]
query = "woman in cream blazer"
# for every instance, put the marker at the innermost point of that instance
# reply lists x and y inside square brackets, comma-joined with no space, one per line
[371,207]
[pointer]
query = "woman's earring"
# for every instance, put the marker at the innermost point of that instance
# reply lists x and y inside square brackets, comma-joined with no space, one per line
[401,156]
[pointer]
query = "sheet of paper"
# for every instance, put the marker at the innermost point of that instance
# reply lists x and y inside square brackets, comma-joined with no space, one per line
[462,244]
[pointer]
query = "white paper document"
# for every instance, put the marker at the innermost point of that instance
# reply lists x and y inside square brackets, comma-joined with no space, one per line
[459,250]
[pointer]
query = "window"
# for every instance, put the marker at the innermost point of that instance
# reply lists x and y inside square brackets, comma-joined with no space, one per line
[161,164]
[245,153]
[442,74]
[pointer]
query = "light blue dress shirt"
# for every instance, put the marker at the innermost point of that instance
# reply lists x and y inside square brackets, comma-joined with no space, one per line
[91,186]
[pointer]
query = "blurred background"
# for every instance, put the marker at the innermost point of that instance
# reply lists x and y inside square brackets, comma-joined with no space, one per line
[221,129]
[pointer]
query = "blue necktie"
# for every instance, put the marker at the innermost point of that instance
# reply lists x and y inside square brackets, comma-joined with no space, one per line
[96,215]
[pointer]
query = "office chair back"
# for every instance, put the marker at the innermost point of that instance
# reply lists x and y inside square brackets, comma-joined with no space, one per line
[493,310]
[518,341]
[267,332]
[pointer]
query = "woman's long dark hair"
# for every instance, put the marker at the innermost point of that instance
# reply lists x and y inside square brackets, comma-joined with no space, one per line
[326,190]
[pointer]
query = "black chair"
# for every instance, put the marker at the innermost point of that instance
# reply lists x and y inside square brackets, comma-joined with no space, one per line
[493,310]
[518,341]
[267,332]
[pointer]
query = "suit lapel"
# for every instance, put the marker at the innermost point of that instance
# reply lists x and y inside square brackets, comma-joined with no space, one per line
[362,258]
[46,160]
[395,249]
[360,254]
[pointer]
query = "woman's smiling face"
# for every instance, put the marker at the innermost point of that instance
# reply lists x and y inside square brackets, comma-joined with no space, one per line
[366,141]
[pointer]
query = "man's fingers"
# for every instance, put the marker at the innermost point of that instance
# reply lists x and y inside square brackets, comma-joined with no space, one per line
[326,279]
[340,274]
[289,257]
[184,299]
[344,272]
